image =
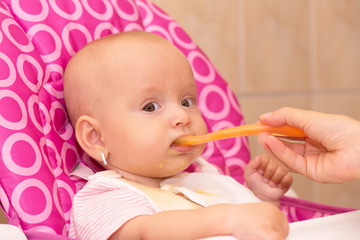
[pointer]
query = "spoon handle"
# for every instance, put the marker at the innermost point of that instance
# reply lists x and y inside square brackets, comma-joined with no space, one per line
[244,130]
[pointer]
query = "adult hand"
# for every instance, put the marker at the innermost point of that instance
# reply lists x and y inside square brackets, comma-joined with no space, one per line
[331,152]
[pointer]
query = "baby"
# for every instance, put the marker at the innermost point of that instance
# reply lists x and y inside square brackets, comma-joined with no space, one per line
[129,96]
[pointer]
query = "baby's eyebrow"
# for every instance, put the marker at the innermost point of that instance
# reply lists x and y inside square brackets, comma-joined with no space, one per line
[147,89]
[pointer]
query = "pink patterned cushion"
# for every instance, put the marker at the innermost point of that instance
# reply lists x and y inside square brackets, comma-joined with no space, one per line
[38,148]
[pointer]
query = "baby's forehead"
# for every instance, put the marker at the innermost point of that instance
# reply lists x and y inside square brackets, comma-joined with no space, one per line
[120,50]
[132,40]
[121,55]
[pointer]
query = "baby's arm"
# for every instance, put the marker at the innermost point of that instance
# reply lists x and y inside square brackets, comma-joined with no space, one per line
[244,221]
[266,179]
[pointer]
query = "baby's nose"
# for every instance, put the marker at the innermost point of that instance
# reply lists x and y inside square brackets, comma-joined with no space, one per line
[181,118]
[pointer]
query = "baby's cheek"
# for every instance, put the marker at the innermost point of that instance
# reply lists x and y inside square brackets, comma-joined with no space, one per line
[204,129]
[199,150]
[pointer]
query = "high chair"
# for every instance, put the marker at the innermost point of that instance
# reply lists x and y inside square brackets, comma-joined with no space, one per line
[37,142]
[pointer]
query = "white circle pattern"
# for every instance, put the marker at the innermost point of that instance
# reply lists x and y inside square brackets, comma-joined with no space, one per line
[66,35]
[4,9]
[23,120]
[70,192]
[57,49]
[40,74]
[193,55]
[32,218]
[33,100]
[65,148]
[12,71]
[133,27]
[149,16]
[172,29]
[162,31]
[8,159]
[130,17]
[70,16]
[204,107]
[104,26]
[101,16]
[47,120]
[31,17]
[6,29]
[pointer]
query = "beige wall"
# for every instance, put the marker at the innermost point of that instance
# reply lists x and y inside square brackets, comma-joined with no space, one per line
[302,53]
[2,217]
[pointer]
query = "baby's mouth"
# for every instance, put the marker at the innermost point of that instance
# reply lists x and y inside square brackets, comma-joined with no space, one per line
[180,149]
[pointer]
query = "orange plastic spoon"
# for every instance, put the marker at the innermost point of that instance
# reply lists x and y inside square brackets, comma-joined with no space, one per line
[244,130]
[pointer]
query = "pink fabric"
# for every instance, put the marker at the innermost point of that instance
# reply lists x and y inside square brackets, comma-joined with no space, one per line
[35,235]
[298,209]
[38,147]
[103,206]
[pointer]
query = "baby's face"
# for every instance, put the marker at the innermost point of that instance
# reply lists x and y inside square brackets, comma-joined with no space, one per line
[142,116]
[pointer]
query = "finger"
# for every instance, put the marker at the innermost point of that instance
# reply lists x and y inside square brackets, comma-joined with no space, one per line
[270,171]
[286,181]
[289,159]
[295,144]
[253,166]
[263,163]
[286,138]
[278,175]
[285,115]
[270,154]
[256,162]
[291,116]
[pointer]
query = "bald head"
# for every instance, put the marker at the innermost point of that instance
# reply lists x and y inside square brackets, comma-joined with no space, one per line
[91,72]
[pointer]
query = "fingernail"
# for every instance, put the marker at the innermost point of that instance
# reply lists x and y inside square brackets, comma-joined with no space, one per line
[266,115]
[272,184]
[261,139]
[261,172]
[266,180]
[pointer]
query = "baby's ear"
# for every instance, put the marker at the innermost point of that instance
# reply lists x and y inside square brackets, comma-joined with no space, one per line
[90,137]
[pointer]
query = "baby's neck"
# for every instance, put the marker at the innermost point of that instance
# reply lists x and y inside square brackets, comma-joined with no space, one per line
[147,181]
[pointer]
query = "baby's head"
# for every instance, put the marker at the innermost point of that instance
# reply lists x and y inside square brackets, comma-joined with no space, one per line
[129,96]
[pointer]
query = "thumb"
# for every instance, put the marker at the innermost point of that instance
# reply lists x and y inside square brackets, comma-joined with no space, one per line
[287,115]
[281,153]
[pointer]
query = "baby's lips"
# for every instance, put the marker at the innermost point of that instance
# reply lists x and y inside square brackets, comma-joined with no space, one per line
[181,148]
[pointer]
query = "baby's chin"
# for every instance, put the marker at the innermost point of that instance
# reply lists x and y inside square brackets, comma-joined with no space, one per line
[173,166]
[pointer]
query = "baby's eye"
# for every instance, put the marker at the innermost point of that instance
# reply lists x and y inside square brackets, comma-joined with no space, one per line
[187,103]
[151,107]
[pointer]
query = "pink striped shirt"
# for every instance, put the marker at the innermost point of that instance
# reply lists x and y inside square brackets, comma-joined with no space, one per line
[104,205]
[106,202]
